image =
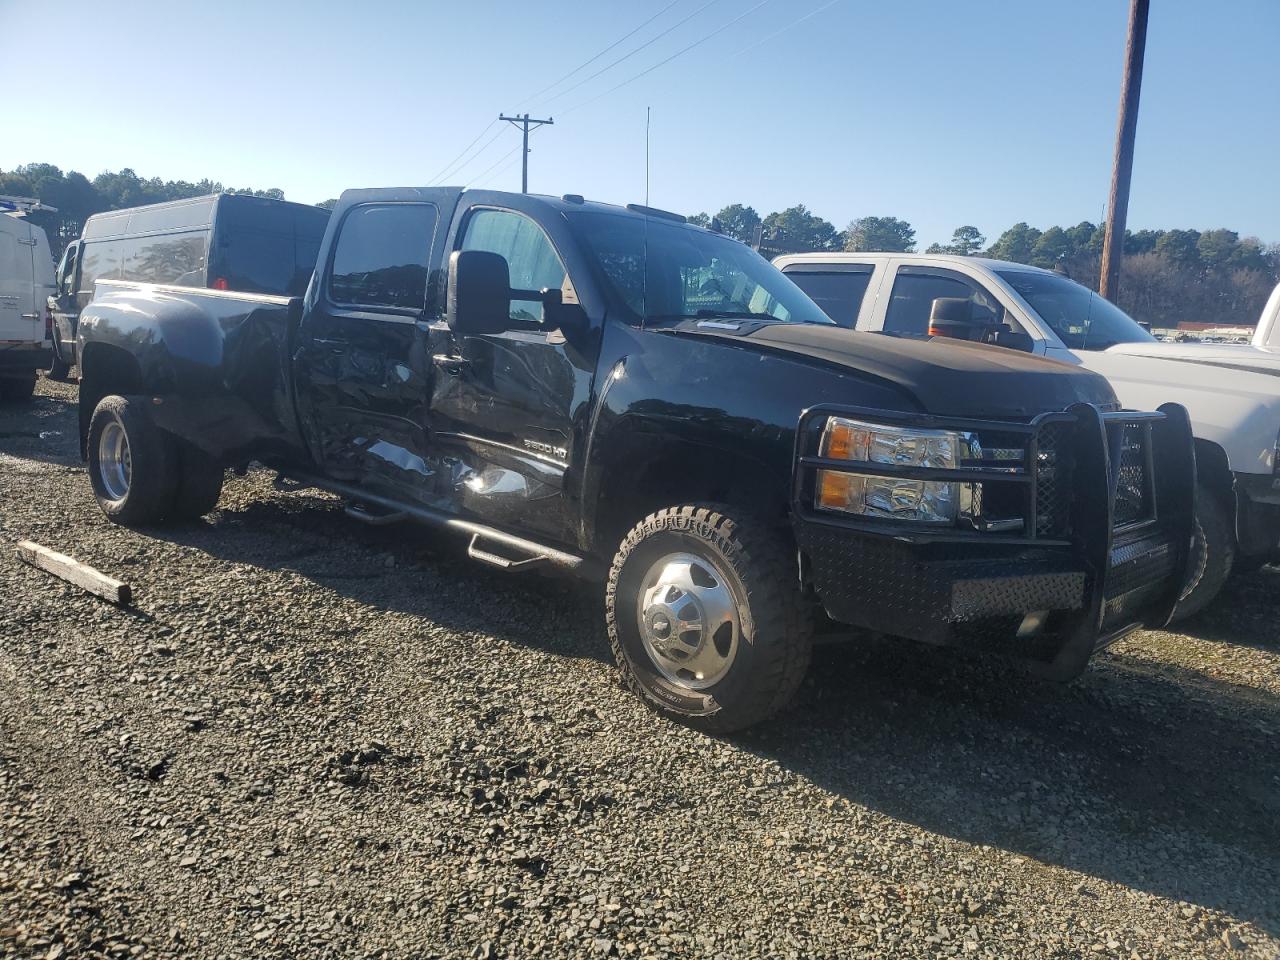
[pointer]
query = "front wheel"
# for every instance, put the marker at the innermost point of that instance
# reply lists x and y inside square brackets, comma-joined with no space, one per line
[706,617]
[1213,554]
[132,463]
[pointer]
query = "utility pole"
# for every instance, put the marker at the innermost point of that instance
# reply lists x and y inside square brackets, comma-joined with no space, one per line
[525,123]
[1122,170]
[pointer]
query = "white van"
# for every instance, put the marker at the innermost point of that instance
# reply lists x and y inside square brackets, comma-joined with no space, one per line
[26,281]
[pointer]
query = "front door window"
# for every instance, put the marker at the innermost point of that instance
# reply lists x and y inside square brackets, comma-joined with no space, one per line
[532,260]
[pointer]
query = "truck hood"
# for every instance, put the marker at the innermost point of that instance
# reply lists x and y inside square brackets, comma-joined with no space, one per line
[1237,356]
[1231,391]
[955,378]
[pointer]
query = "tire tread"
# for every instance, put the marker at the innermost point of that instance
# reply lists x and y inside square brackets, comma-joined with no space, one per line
[781,618]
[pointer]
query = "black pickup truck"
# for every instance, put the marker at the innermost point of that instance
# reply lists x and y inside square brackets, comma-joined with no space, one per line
[614,391]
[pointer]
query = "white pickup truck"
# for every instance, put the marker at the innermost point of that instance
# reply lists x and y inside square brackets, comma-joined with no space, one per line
[1231,391]
[1267,335]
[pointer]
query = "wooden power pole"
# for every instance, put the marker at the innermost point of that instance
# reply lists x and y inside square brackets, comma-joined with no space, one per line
[524,123]
[1122,170]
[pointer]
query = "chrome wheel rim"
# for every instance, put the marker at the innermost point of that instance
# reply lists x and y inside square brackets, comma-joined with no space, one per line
[115,465]
[688,620]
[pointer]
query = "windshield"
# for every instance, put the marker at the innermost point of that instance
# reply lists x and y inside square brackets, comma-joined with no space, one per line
[688,273]
[1081,319]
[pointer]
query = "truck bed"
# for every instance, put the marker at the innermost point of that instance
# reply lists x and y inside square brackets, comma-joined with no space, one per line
[228,352]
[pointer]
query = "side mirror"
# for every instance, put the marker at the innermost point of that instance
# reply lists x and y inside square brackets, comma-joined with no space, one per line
[953,317]
[478,299]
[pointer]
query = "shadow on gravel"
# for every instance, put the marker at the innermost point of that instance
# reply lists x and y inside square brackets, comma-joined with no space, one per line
[43,429]
[311,536]
[1243,614]
[1163,780]
[1147,775]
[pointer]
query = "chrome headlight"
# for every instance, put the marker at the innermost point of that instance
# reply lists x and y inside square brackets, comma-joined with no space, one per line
[893,498]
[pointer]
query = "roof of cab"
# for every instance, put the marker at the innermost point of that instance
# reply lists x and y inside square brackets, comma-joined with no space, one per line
[568,203]
[881,256]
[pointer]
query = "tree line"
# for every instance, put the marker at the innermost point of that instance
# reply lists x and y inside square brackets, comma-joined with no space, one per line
[1213,276]
[1167,276]
[77,198]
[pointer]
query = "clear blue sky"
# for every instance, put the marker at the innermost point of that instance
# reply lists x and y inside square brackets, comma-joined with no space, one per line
[943,113]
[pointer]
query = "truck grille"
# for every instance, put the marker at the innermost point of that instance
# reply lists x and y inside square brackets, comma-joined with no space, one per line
[1026,477]
[1003,507]
[1134,503]
[1054,464]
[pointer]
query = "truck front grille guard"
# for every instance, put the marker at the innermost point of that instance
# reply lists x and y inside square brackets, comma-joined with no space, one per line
[1025,491]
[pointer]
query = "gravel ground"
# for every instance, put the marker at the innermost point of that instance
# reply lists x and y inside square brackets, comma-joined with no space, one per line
[311,738]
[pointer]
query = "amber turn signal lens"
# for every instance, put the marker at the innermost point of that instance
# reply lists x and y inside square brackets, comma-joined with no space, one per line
[838,441]
[834,488]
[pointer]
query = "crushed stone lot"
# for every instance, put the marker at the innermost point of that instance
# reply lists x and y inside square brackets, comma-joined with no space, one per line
[311,738]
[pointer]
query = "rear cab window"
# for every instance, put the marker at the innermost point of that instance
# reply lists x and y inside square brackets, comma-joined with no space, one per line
[838,289]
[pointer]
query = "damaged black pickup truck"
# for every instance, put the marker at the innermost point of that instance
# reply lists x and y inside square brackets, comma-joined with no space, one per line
[615,391]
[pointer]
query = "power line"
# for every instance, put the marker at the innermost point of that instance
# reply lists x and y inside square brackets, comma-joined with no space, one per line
[504,168]
[628,56]
[506,156]
[509,156]
[449,166]
[611,46]
[660,63]
[794,23]
[472,159]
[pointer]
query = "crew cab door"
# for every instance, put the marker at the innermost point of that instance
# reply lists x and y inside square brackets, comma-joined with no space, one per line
[505,408]
[362,363]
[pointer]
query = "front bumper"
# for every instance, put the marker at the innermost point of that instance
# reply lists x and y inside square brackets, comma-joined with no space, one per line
[1097,555]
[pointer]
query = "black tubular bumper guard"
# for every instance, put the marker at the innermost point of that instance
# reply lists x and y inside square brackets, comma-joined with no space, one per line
[1106,504]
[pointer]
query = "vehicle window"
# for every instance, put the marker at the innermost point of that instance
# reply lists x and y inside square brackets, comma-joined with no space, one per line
[98,261]
[381,255]
[532,260]
[1081,319]
[659,271]
[60,271]
[173,258]
[266,246]
[838,294]
[255,261]
[912,302]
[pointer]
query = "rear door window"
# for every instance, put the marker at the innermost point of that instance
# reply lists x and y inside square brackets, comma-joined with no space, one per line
[838,293]
[381,256]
